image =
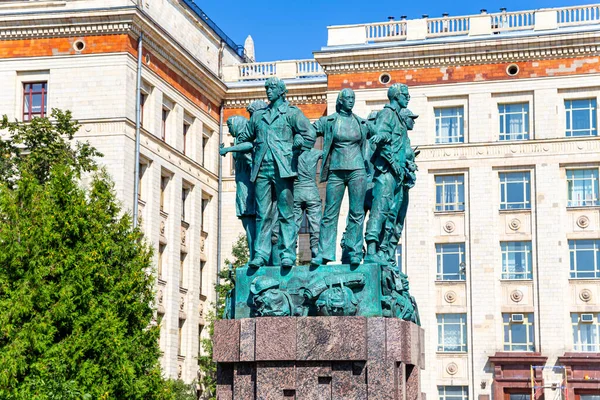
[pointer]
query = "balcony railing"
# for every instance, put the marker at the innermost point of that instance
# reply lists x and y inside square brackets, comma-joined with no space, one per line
[447,26]
[263,70]
[471,25]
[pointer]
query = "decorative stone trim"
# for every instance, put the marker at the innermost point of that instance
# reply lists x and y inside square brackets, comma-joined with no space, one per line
[450,296]
[438,55]
[451,368]
[516,296]
[583,222]
[585,295]
[449,227]
[514,224]
[293,99]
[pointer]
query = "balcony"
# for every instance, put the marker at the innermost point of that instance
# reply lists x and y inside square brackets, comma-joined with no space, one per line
[258,71]
[470,25]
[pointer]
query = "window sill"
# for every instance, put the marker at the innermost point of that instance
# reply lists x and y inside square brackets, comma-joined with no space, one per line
[182,290]
[437,281]
[185,224]
[516,280]
[515,211]
[582,208]
[451,353]
[164,214]
[513,140]
[161,281]
[448,212]
[584,279]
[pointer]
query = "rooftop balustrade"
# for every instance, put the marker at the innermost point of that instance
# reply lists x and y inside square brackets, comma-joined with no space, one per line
[470,25]
[420,29]
[281,69]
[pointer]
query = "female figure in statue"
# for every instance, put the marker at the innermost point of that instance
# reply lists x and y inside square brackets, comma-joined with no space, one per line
[244,189]
[344,166]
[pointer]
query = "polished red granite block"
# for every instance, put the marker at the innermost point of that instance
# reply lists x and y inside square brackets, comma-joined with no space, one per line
[321,358]
[226,341]
[331,338]
[313,380]
[275,339]
[275,380]
[247,336]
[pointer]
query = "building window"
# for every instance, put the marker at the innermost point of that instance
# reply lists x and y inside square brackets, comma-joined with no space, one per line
[143,98]
[142,169]
[585,332]
[181,268]
[581,117]
[584,255]
[518,332]
[516,260]
[453,392]
[514,121]
[518,396]
[449,193]
[180,337]
[161,252]
[163,124]
[515,191]
[399,257]
[452,332]
[449,125]
[582,187]
[204,223]
[186,128]
[35,99]
[184,195]
[204,150]
[164,181]
[450,261]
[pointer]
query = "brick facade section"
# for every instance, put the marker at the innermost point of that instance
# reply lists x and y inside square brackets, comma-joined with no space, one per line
[312,111]
[46,47]
[467,73]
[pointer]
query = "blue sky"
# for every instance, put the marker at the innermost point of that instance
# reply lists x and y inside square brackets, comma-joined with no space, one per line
[292,29]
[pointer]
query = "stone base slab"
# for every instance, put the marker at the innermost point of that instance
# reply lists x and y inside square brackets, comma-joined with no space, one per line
[318,358]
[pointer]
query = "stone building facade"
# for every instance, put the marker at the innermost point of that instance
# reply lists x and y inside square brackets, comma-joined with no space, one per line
[82,55]
[502,234]
[502,239]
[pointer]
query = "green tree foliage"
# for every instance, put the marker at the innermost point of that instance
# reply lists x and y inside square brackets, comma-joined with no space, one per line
[38,145]
[208,368]
[75,278]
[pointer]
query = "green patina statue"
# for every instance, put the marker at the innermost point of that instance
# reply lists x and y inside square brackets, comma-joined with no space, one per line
[306,196]
[274,159]
[389,169]
[242,156]
[275,132]
[244,188]
[345,150]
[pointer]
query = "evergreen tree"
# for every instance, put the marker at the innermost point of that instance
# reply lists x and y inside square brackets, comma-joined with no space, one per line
[75,278]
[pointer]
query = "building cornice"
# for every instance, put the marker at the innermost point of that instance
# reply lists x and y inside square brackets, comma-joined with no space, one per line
[473,52]
[298,93]
[517,150]
[113,21]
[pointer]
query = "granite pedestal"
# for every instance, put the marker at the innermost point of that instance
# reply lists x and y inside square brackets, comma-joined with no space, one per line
[307,358]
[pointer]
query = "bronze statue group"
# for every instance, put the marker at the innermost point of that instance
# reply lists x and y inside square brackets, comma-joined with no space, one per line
[275,174]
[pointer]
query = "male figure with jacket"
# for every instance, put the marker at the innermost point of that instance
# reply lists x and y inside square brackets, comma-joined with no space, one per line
[389,161]
[276,131]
